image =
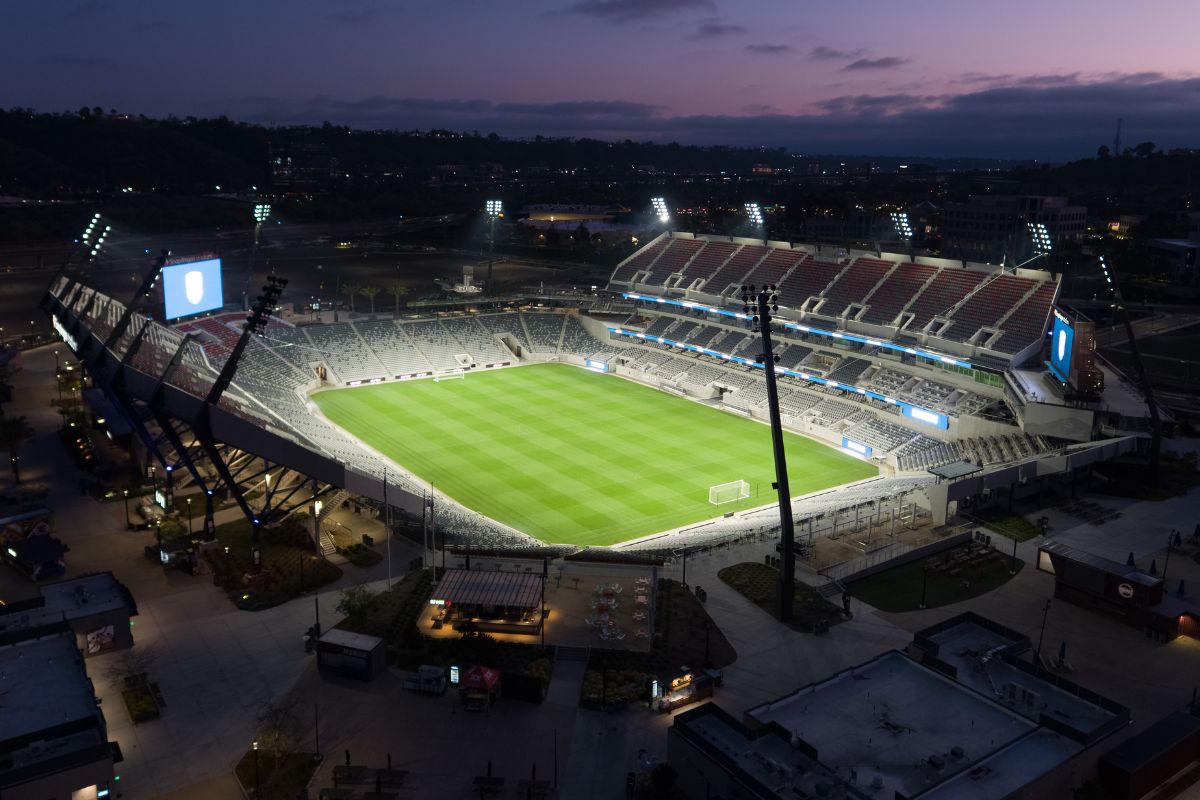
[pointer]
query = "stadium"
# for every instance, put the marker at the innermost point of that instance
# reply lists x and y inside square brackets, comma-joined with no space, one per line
[626,419]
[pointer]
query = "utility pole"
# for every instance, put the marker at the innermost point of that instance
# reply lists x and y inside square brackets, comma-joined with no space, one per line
[759,305]
[1037,659]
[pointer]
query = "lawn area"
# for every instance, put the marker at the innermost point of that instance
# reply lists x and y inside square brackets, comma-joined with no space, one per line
[1014,526]
[757,582]
[899,588]
[576,457]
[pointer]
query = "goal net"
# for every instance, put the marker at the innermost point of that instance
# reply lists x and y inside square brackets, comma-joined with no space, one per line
[450,375]
[728,492]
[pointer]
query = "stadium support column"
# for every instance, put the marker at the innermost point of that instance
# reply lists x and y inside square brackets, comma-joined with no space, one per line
[759,305]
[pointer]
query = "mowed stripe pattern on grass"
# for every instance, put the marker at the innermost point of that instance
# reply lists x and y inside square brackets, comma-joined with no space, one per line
[576,457]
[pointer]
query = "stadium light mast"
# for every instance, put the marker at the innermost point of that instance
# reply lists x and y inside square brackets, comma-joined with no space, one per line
[758,305]
[1039,235]
[661,211]
[495,210]
[1114,286]
[754,214]
[262,212]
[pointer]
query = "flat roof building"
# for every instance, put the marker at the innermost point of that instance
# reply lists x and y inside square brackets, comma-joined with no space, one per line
[958,715]
[96,607]
[53,736]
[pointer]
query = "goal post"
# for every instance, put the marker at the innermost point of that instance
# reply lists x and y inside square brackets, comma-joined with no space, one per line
[728,492]
[450,375]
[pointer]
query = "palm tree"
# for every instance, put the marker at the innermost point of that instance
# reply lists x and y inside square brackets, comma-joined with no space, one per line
[369,292]
[351,289]
[397,290]
[14,432]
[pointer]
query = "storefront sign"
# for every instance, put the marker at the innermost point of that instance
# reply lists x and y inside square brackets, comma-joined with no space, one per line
[454,676]
[1125,590]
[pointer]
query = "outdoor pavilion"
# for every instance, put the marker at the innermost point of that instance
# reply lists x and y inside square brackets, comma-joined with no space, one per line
[507,602]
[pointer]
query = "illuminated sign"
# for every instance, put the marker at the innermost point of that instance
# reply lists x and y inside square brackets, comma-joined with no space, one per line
[1062,346]
[192,288]
[454,676]
[1125,590]
[598,366]
[856,447]
[160,498]
[65,334]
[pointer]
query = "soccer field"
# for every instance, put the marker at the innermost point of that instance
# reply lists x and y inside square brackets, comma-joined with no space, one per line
[577,457]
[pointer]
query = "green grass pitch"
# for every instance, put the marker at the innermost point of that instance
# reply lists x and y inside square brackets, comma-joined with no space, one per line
[577,457]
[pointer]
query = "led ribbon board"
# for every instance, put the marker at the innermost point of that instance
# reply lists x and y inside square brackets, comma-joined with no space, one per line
[923,415]
[883,344]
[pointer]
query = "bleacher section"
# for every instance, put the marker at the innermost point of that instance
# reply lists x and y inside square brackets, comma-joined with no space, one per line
[881,435]
[639,261]
[772,269]
[988,304]
[505,325]
[735,269]
[853,285]
[946,290]
[545,330]
[475,340]
[394,349]
[895,292]
[1027,322]
[344,352]
[848,370]
[807,280]
[435,342]
[708,260]
[672,260]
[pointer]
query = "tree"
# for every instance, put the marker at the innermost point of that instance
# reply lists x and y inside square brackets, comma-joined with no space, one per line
[354,603]
[351,289]
[1103,151]
[135,662]
[1144,149]
[397,290]
[279,726]
[369,292]
[14,433]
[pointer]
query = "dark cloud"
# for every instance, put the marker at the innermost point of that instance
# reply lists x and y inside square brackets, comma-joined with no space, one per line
[887,62]
[78,61]
[1025,121]
[769,49]
[633,10]
[823,53]
[715,29]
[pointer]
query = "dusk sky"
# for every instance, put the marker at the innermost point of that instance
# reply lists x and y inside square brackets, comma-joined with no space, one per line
[928,77]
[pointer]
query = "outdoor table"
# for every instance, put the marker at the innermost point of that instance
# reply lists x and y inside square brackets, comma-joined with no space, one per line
[642,633]
[639,615]
[640,600]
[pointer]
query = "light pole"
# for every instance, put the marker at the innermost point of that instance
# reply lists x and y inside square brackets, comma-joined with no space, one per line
[495,209]
[228,569]
[924,584]
[759,305]
[189,505]
[257,784]
[128,524]
[1167,560]
[1042,635]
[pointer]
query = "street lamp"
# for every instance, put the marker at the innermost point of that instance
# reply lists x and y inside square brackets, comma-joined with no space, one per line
[228,569]
[128,524]
[495,209]
[189,505]
[257,785]
[1038,653]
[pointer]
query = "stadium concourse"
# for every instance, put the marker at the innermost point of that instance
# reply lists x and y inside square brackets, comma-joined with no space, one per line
[904,365]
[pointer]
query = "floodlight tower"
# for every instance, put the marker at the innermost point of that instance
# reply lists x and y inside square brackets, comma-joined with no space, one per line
[495,210]
[754,214]
[262,212]
[661,211]
[1114,287]
[759,304]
